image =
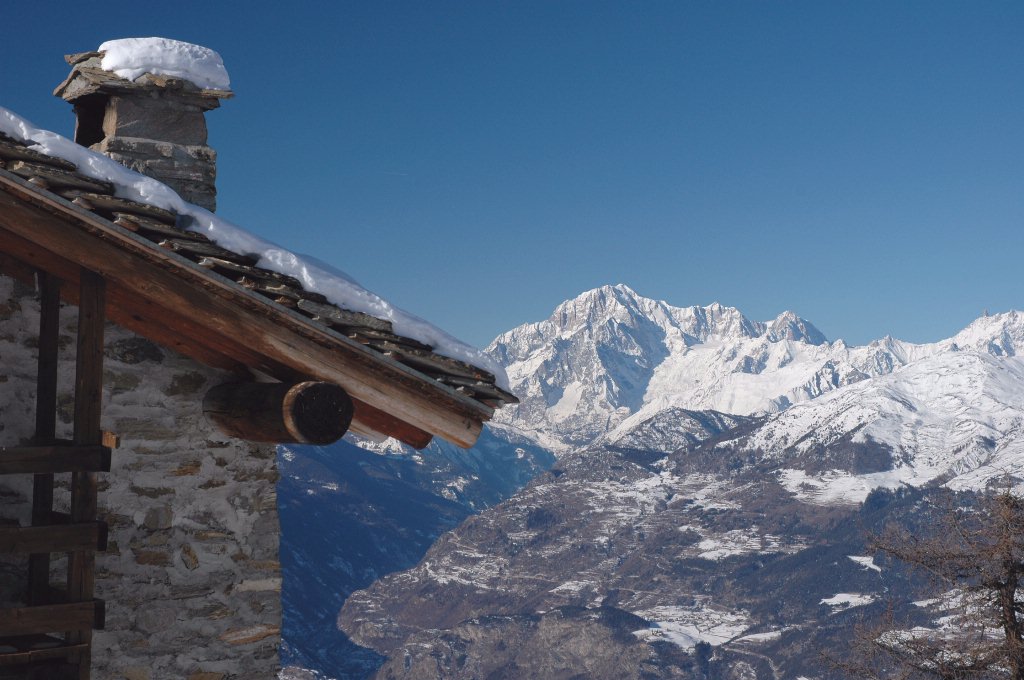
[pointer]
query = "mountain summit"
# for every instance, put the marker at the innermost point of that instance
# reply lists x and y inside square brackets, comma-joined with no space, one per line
[610,358]
[610,354]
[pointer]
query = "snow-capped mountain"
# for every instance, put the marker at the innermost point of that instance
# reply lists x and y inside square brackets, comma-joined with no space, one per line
[956,417]
[611,355]
[708,492]
[610,359]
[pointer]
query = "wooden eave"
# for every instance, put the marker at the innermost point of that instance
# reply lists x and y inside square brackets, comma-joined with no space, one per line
[173,301]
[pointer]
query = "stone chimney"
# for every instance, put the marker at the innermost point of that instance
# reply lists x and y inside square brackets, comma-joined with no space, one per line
[154,124]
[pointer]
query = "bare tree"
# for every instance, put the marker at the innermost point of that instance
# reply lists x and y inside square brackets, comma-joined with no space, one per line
[973,555]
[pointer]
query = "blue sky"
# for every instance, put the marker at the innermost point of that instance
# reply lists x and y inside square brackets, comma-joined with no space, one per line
[861,163]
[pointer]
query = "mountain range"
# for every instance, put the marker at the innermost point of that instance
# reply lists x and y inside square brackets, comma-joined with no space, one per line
[706,515]
[610,358]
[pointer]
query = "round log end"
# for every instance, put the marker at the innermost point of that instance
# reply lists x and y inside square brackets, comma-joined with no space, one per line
[305,413]
[317,412]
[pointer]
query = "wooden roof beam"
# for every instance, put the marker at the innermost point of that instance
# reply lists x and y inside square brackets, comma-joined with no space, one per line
[243,319]
[149,320]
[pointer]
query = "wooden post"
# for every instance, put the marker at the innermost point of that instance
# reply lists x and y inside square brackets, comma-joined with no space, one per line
[304,413]
[46,427]
[88,398]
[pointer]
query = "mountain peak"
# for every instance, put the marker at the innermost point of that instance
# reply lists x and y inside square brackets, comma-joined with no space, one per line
[789,326]
[617,301]
[622,288]
[609,353]
[622,304]
[999,334]
[618,291]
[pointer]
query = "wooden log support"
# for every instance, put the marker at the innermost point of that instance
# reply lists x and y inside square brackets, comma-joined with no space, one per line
[87,432]
[46,373]
[51,618]
[308,412]
[46,427]
[33,649]
[51,652]
[46,460]
[52,539]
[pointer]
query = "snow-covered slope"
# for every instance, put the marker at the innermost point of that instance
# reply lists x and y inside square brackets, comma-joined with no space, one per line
[956,417]
[610,363]
[610,359]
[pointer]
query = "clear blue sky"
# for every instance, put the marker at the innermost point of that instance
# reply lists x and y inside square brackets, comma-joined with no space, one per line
[861,163]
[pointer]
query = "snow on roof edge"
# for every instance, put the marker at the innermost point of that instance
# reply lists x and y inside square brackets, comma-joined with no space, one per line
[315,276]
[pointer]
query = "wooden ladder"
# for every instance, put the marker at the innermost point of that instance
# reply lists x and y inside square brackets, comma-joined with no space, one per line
[51,635]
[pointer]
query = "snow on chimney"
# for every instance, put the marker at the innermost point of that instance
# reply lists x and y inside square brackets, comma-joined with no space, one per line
[142,102]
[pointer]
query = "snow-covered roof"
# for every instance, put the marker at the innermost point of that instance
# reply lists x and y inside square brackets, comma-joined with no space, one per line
[451,387]
[315,276]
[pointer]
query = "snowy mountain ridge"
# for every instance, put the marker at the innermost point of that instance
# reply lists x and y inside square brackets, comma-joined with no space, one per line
[610,359]
[955,417]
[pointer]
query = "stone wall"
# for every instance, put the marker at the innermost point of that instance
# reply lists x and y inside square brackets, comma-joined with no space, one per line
[191,578]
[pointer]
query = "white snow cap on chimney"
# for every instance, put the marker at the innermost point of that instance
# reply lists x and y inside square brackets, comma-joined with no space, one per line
[132,57]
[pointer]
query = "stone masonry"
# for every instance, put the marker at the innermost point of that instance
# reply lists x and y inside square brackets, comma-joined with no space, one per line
[191,578]
[162,134]
[155,125]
